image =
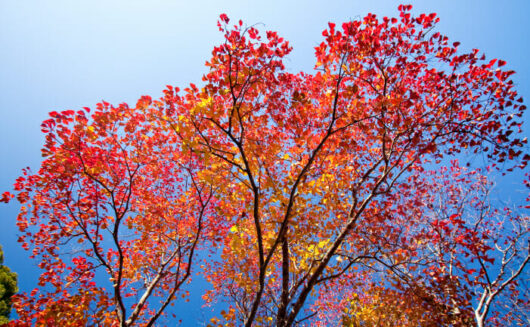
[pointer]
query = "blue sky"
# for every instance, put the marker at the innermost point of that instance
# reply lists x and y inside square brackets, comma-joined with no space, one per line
[58,55]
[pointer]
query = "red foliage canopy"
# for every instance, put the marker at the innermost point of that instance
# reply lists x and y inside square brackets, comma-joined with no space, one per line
[297,183]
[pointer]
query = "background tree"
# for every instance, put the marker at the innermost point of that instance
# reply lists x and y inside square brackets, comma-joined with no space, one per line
[300,182]
[8,287]
[466,254]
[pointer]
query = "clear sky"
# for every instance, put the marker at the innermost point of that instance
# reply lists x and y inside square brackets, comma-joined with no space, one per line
[58,55]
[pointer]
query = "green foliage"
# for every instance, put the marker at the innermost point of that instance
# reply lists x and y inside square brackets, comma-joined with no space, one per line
[8,287]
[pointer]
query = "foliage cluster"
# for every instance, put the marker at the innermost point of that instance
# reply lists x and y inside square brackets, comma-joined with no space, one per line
[8,288]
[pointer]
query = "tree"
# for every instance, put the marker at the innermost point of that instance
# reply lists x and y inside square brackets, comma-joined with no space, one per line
[8,287]
[463,255]
[294,184]
[116,196]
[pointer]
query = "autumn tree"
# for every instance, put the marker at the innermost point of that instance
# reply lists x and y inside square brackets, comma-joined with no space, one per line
[8,287]
[297,184]
[463,255]
[112,195]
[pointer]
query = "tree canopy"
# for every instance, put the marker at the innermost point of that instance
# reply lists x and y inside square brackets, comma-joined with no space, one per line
[317,198]
[8,287]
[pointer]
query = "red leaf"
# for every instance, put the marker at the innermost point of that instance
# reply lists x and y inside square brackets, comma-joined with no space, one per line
[224,18]
[6,197]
